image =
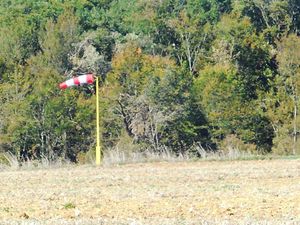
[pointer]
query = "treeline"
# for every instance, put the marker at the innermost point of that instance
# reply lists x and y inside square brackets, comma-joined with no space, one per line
[175,74]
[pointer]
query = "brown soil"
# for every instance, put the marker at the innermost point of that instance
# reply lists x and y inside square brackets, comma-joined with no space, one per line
[228,192]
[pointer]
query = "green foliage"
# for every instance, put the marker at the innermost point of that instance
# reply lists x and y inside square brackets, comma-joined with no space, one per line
[69,205]
[272,18]
[250,53]
[184,123]
[174,74]
[41,121]
[233,143]
[284,142]
[214,89]
[3,159]
[287,95]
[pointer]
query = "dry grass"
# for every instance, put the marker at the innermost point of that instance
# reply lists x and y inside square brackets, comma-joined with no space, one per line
[221,192]
[116,156]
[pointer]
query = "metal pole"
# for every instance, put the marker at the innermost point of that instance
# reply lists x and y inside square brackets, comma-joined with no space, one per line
[98,149]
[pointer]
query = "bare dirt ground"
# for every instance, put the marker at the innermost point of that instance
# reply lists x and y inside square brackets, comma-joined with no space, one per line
[226,192]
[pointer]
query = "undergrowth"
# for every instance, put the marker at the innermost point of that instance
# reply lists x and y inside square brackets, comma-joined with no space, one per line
[118,157]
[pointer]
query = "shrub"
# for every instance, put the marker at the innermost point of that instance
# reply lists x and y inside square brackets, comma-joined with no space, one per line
[232,142]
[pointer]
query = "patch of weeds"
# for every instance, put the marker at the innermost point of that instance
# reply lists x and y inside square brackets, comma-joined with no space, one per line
[97,206]
[230,187]
[291,157]
[24,216]
[69,205]
[6,209]
[3,159]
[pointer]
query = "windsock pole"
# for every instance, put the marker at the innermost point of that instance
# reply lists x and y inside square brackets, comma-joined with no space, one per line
[88,79]
[98,149]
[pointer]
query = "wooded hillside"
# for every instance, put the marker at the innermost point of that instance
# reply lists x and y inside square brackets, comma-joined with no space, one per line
[175,74]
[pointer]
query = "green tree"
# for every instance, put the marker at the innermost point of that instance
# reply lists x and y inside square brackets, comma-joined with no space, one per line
[178,120]
[50,124]
[289,60]
[217,92]
[154,102]
[252,56]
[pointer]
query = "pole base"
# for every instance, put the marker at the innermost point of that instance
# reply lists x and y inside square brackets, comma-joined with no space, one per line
[98,156]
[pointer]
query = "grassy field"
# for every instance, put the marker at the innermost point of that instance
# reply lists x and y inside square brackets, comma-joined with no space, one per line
[218,192]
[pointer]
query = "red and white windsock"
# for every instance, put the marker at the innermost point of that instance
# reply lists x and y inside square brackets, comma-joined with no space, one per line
[76,81]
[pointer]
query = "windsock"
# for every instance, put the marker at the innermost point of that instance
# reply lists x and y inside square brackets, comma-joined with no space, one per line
[76,81]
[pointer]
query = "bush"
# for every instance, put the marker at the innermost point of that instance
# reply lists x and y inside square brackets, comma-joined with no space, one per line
[3,159]
[232,142]
[284,143]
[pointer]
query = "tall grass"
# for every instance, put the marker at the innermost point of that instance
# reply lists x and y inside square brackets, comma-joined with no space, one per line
[11,162]
[197,153]
[117,156]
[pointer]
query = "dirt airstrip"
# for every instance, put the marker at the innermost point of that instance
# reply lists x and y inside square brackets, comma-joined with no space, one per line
[218,192]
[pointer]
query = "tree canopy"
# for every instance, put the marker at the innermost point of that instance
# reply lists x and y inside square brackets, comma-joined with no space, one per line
[174,74]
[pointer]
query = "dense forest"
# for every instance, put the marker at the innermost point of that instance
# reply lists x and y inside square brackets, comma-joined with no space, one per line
[174,74]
